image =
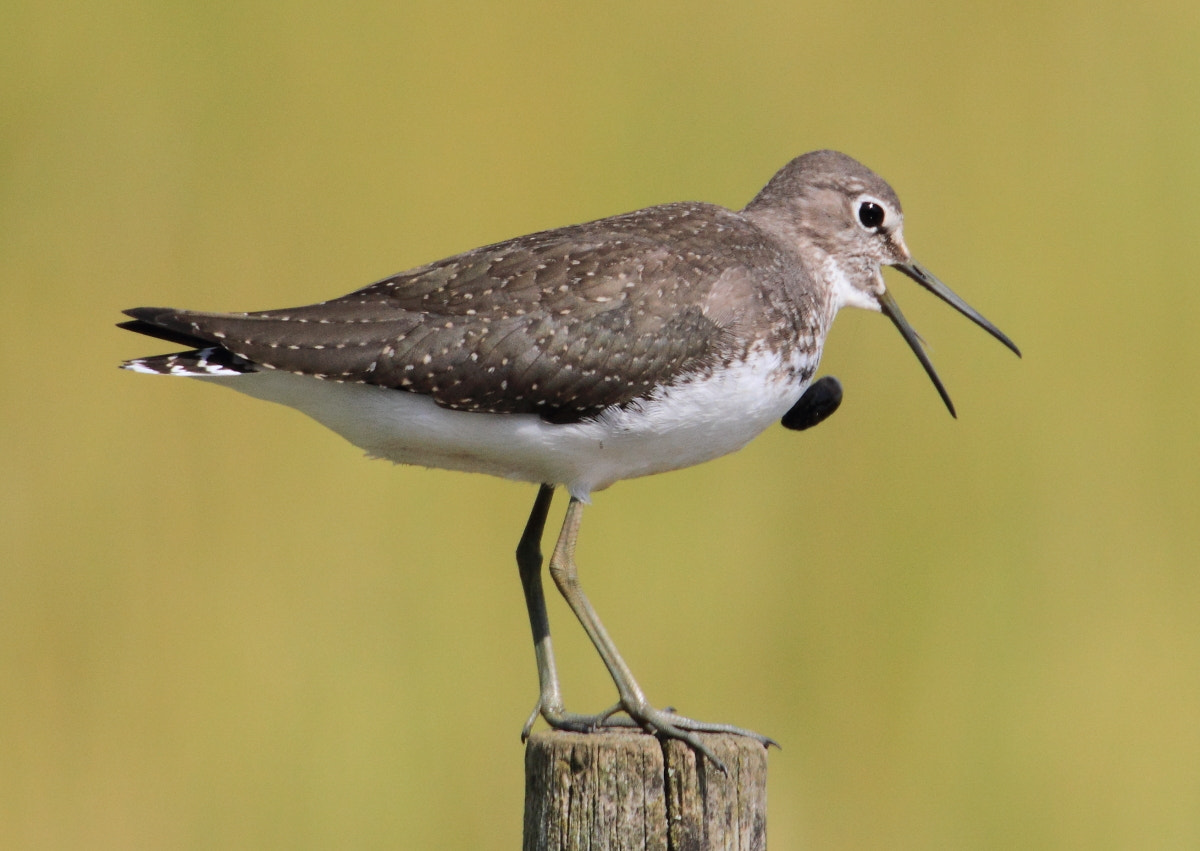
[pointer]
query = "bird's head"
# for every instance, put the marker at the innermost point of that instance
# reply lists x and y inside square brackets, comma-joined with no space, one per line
[847,224]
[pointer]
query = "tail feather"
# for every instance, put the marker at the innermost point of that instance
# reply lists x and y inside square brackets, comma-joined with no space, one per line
[203,360]
[207,362]
[141,326]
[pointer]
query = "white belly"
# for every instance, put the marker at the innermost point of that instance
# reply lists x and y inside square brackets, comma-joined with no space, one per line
[693,422]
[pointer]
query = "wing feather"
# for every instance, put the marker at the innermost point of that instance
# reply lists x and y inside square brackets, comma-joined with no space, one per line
[562,323]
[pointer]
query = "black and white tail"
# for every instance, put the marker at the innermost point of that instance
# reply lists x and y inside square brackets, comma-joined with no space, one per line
[211,361]
[204,360]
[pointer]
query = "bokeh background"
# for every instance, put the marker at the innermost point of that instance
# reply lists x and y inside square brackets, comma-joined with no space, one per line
[220,627]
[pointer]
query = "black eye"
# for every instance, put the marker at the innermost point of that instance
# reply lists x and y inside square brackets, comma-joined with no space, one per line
[870,214]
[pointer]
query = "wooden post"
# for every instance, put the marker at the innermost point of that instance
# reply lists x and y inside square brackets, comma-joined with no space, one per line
[619,790]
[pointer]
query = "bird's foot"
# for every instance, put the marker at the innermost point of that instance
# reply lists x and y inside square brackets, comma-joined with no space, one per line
[572,722]
[664,723]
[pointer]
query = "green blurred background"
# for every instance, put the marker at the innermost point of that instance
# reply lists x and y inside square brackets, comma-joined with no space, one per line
[220,627]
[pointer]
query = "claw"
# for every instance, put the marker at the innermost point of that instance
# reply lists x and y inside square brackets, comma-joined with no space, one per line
[664,723]
[529,722]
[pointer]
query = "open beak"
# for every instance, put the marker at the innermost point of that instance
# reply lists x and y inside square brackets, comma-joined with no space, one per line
[922,276]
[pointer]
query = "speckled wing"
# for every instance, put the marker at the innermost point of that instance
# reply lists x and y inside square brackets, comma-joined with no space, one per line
[563,323]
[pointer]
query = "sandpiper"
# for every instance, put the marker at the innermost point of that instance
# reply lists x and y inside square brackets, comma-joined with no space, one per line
[582,356]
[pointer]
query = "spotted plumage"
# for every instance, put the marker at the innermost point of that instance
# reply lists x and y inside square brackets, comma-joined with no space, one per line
[563,323]
[582,356]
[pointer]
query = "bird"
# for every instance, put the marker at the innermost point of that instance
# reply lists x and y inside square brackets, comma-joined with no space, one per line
[582,356]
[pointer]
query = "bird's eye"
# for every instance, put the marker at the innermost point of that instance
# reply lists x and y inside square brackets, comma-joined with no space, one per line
[870,214]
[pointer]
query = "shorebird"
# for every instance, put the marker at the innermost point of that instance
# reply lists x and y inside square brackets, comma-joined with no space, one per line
[585,355]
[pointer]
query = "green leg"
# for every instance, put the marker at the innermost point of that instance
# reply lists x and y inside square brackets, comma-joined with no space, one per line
[632,698]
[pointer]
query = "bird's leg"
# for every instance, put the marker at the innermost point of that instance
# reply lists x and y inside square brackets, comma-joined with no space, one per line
[529,563]
[632,698]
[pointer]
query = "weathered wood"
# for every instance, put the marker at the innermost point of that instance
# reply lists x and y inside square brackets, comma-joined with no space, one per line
[597,791]
[627,790]
[709,810]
